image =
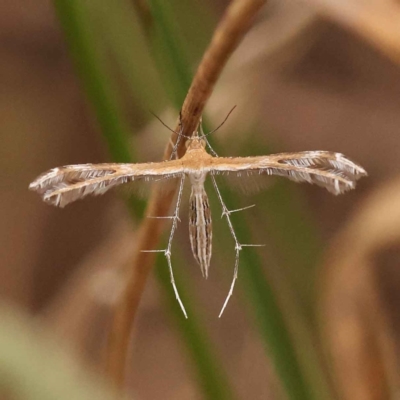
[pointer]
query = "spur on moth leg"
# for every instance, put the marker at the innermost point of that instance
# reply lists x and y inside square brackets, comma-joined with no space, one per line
[167,252]
[332,171]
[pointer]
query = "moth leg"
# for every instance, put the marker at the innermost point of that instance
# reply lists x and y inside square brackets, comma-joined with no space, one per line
[238,246]
[171,236]
[166,217]
[238,209]
[174,151]
[167,251]
[212,151]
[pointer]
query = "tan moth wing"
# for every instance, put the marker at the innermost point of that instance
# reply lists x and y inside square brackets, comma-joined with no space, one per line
[63,185]
[330,170]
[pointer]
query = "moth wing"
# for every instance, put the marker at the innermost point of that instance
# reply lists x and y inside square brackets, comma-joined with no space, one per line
[333,171]
[252,184]
[61,186]
[142,188]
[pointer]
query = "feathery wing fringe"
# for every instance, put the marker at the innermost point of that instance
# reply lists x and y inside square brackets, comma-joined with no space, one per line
[61,186]
[332,171]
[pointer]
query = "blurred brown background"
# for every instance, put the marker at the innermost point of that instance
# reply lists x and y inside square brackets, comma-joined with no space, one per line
[312,80]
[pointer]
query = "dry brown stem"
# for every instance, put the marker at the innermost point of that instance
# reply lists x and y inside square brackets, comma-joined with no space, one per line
[227,36]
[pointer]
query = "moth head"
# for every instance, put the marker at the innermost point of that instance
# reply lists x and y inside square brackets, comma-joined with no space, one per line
[195,142]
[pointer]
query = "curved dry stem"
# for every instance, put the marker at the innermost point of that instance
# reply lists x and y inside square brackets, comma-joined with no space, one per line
[227,36]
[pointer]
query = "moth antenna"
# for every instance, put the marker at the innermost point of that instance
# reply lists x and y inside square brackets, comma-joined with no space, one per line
[179,134]
[222,123]
[155,115]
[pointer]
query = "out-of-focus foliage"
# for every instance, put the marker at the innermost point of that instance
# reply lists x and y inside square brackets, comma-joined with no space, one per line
[33,366]
[358,327]
[374,20]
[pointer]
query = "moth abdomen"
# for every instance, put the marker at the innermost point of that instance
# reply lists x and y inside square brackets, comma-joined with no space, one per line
[200,228]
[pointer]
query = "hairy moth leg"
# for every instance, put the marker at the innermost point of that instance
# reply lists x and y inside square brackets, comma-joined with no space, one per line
[238,246]
[167,251]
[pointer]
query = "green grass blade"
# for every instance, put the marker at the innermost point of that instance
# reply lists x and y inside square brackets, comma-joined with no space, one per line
[123,37]
[75,20]
[168,52]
